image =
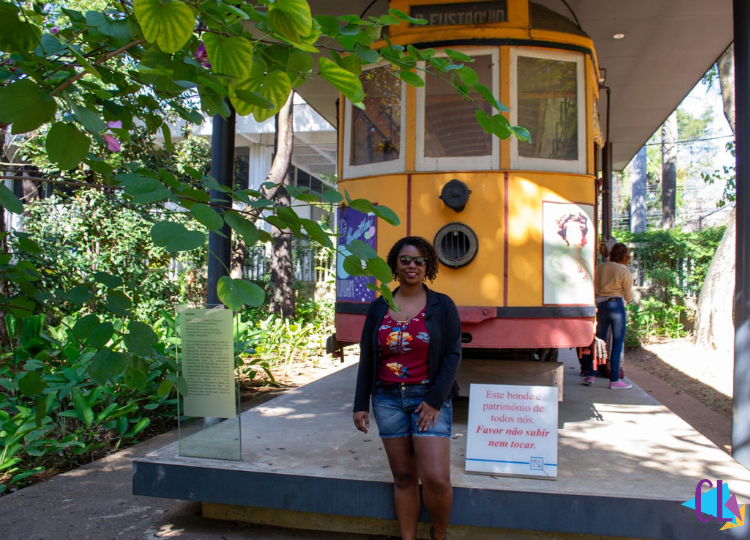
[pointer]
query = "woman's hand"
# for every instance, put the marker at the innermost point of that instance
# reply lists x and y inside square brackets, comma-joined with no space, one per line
[427,415]
[361,421]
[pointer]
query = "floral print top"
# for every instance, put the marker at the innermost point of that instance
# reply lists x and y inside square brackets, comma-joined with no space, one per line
[404,350]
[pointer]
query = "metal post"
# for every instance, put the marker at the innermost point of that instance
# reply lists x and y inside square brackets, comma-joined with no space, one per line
[607,191]
[741,413]
[222,167]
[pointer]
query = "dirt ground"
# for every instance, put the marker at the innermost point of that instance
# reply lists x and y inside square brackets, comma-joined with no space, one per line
[705,375]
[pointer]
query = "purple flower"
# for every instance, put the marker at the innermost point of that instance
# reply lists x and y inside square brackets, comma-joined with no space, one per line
[116,124]
[112,143]
[201,55]
[54,30]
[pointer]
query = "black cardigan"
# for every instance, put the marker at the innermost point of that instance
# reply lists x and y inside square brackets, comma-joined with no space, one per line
[444,327]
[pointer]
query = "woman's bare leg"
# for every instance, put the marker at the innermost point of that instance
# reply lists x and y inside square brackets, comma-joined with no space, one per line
[405,484]
[433,464]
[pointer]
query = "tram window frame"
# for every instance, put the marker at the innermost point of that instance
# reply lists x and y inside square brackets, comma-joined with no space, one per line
[490,162]
[519,162]
[376,168]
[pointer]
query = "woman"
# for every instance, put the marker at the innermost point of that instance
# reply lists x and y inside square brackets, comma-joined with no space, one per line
[614,287]
[408,363]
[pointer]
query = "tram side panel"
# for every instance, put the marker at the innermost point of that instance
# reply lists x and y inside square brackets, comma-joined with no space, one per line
[529,283]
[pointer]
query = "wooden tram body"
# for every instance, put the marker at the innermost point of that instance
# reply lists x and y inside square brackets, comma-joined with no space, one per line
[516,224]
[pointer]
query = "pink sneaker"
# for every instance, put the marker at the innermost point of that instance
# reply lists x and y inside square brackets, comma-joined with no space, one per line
[620,384]
[589,381]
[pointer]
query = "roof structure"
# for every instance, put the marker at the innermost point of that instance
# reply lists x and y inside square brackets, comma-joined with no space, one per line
[667,47]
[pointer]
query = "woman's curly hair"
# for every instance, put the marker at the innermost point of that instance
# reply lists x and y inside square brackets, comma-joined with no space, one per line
[425,248]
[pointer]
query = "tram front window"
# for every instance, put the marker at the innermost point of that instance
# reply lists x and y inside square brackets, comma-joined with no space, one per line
[450,125]
[548,108]
[376,131]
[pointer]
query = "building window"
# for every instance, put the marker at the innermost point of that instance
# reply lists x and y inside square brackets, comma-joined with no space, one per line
[241,175]
[548,101]
[373,135]
[448,134]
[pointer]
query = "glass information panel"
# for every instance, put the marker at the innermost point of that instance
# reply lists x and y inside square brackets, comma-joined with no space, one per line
[209,421]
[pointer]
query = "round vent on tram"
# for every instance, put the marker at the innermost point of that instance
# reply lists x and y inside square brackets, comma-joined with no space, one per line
[456,245]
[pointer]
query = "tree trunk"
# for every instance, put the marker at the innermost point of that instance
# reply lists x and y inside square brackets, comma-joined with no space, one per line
[714,322]
[669,171]
[282,269]
[237,258]
[638,199]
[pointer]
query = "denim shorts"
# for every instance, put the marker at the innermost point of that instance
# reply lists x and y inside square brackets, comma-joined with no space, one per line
[394,406]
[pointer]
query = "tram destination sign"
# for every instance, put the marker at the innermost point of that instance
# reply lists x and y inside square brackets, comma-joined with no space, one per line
[495,11]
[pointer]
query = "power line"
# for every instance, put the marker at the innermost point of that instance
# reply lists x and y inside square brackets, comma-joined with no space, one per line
[693,140]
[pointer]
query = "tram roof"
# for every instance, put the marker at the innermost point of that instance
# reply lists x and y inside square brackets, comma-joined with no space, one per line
[668,46]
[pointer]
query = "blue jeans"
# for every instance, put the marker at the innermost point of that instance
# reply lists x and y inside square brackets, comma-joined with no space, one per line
[612,313]
[394,407]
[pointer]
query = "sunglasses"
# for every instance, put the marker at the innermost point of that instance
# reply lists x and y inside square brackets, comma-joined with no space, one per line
[406,260]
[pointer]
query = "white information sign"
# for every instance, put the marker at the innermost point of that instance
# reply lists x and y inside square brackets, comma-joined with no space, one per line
[512,431]
[208,362]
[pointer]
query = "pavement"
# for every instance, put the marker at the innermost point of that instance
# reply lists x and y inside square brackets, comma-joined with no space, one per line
[95,502]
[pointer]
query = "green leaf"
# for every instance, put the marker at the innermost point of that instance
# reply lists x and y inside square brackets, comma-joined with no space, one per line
[79,295]
[107,366]
[275,86]
[101,335]
[386,214]
[82,407]
[31,384]
[16,36]
[521,133]
[253,98]
[328,24]
[291,19]
[9,201]
[207,216]
[458,56]
[21,307]
[167,134]
[363,205]
[483,120]
[468,75]
[486,93]
[85,326]
[386,292]
[26,106]
[89,119]
[352,64]
[140,339]
[344,81]
[229,56]
[164,388]
[300,61]
[67,146]
[361,250]
[246,229]
[500,126]
[288,215]
[122,425]
[380,269]
[108,280]
[411,78]
[317,233]
[170,24]
[41,411]
[175,237]
[118,303]
[235,293]
[29,246]
[353,266]
[136,374]
[142,424]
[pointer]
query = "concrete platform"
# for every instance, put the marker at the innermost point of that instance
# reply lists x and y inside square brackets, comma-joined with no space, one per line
[626,464]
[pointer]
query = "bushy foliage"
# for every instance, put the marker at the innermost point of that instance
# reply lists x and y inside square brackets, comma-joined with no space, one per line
[674,262]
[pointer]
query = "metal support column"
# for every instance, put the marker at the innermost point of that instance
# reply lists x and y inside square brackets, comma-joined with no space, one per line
[222,167]
[741,415]
[607,191]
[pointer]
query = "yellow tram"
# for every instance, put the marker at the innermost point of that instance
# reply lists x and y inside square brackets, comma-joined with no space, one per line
[514,223]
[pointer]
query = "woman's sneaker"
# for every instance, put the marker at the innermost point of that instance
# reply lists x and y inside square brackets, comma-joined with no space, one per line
[620,384]
[589,381]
